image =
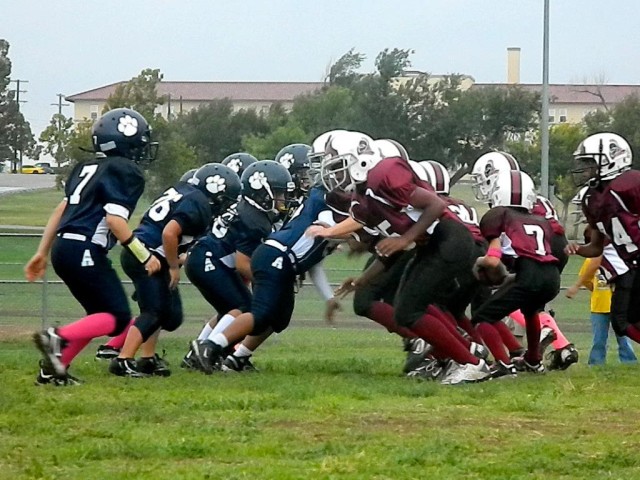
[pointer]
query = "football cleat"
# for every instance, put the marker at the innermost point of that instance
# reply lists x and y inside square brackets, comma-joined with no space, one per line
[237,364]
[562,358]
[208,355]
[125,367]
[429,369]
[155,365]
[523,365]
[189,362]
[105,352]
[417,349]
[479,351]
[547,337]
[47,376]
[468,373]
[50,345]
[502,370]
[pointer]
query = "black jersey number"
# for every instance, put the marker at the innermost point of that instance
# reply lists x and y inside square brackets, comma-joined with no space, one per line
[86,173]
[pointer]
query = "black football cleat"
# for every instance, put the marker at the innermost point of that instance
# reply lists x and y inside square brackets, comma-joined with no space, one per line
[238,364]
[125,367]
[155,365]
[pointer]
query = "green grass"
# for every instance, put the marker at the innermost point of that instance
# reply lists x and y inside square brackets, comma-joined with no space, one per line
[327,404]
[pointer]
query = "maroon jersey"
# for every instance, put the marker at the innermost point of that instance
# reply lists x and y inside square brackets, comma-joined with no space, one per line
[385,203]
[521,234]
[467,215]
[340,204]
[615,212]
[544,208]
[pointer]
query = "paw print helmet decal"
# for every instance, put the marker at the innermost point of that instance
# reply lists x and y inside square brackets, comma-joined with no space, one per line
[238,162]
[296,159]
[264,182]
[219,183]
[124,132]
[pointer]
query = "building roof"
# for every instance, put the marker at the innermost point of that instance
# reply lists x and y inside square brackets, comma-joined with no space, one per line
[575,93]
[206,91]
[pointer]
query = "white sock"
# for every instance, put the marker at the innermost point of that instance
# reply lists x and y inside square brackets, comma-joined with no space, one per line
[220,339]
[206,331]
[242,351]
[220,327]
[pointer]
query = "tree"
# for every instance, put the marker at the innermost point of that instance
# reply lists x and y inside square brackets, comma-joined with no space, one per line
[625,122]
[266,147]
[140,93]
[16,137]
[56,137]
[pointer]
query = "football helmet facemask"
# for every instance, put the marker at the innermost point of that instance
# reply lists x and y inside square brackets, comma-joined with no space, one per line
[267,185]
[602,156]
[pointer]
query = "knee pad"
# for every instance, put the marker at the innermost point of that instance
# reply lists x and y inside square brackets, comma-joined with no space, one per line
[147,323]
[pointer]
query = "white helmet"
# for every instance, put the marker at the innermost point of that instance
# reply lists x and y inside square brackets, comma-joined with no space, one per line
[607,154]
[419,169]
[513,188]
[391,148]
[485,172]
[438,176]
[350,156]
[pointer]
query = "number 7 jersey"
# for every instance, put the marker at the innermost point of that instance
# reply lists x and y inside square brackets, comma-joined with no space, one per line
[521,234]
[106,185]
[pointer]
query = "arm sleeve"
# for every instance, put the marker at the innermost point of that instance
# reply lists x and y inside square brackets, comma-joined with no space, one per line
[319,278]
[397,185]
[491,223]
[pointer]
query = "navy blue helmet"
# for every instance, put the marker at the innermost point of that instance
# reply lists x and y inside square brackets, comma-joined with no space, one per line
[295,158]
[238,162]
[219,183]
[262,182]
[124,132]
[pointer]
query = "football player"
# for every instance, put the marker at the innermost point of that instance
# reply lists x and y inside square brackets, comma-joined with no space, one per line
[100,196]
[219,263]
[180,214]
[611,206]
[512,231]
[393,199]
[275,264]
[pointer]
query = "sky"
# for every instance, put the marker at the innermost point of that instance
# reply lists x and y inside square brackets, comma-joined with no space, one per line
[72,46]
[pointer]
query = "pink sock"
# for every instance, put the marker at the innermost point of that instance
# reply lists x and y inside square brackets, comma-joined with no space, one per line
[382,313]
[547,320]
[72,349]
[493,341]
[89,327]
[118,340]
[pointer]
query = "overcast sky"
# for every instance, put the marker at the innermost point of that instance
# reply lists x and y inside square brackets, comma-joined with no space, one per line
[75,45]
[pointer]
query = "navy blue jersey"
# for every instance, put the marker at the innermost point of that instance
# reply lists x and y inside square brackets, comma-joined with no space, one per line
[104,185]
[183,203]
[305,251]
[241,231]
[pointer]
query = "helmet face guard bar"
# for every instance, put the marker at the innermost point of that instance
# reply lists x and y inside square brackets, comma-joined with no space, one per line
[335,172]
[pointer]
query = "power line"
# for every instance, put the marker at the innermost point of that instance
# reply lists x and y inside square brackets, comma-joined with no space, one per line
[18,160]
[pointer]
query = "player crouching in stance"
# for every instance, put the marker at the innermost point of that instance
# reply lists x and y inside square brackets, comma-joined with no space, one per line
[390,197]
[275,264]
[512,231]
[100,196]
[182,213]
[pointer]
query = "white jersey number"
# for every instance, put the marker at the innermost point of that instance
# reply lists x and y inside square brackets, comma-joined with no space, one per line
[86,173]
[538,233]
[161,207]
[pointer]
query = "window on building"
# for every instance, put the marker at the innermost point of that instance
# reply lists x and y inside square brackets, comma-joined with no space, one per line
[562,115]
[552,115]
[94,112]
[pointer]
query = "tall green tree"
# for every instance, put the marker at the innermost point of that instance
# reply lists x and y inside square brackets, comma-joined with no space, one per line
[16,137]
[626,122]
[56,137]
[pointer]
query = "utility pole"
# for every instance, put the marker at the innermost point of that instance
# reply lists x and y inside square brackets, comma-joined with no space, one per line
[60,105]
[544,118]
[18,160]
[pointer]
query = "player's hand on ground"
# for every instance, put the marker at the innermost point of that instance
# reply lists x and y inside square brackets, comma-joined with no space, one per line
[153,265]
[572,248]
[389,246]
[332,306]
[174,274]
[348,285]
[315,231]
[36,267]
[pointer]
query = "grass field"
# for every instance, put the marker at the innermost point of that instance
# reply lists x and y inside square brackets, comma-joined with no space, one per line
[327,403]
